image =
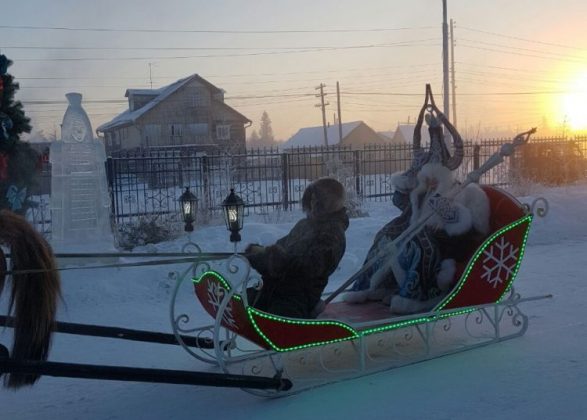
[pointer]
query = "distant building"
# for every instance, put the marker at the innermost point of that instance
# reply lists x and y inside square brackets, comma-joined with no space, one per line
[404,134]
[189,113]
[354,135]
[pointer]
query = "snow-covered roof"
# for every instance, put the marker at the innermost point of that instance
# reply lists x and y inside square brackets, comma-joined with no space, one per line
[314,136]
[386,135]
[129,117]
[149,92]
[405,132]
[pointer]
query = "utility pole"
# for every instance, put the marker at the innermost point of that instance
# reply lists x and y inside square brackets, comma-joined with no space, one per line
[339,117]
[452,74]
[445,59]
[323,106]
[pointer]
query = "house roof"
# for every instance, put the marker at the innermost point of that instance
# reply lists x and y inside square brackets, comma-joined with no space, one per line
[314,136]
[129,117]
[405,132]
[224,104]
[147,92]
[386,135]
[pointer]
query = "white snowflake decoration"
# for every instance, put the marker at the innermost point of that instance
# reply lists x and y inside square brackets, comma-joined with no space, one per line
[215,296]
[500,262]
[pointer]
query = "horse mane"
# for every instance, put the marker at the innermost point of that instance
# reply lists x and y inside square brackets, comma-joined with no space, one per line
[34,295]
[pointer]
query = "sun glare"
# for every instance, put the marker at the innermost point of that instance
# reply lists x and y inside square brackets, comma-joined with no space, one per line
[574,104]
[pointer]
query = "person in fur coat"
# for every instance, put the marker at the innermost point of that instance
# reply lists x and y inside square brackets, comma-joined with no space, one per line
[295,270]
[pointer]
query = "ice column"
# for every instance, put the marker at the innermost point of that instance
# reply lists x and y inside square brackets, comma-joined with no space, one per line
[80,203]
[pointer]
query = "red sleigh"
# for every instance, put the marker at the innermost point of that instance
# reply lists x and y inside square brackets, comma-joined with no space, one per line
[485,280]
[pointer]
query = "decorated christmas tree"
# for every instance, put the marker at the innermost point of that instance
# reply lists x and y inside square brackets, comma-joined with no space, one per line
[18,161]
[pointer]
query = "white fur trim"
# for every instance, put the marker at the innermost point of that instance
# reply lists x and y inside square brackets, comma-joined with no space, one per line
[401,182]
[359,296]
[445,277]
[437,171]
[474,198]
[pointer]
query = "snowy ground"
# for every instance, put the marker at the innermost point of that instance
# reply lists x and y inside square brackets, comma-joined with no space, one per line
[541,375]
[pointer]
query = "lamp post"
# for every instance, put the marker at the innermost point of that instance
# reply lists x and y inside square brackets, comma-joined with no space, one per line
[234,212]
[189,207]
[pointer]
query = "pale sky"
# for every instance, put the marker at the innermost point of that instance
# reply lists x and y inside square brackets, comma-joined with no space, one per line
[518,63]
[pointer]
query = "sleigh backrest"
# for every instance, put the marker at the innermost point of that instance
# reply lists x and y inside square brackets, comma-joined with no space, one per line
[493,266]
[504,208]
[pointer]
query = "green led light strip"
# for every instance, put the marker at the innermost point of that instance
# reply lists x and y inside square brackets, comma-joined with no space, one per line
[221,279]
[519,262]
[465,277]
[252,311]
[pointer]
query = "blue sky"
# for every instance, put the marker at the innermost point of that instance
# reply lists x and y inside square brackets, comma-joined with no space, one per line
[517,62]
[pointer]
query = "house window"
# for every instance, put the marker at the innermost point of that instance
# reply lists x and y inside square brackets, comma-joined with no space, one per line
[175,129]
[223,131]
[198,129]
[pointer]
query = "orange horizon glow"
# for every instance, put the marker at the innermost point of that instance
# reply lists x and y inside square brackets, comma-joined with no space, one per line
[573,105]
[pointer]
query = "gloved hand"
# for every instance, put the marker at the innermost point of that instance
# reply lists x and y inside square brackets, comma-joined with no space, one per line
[252,249]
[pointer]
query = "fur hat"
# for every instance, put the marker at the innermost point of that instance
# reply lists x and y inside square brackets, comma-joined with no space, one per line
[323,196]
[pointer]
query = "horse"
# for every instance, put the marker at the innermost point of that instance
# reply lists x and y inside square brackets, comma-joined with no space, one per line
[36,291]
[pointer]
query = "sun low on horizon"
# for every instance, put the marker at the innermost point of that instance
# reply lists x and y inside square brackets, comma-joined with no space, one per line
[573,103]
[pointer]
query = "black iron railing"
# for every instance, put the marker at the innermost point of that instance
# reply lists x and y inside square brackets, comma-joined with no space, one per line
[149,183]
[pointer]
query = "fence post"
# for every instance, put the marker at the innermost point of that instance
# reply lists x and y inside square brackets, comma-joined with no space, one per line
[206,184]
[110,176]
[180,174]
[357,172]
[476,153]
[284,181]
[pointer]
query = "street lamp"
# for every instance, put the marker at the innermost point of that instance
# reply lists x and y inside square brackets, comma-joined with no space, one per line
[189,207]
[234,212]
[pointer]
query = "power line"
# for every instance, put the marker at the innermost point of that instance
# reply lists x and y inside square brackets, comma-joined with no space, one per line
[463,94]
[491,44]
[398,94]
[514,69]
[525,55]
[206,31]
[300,51]
[520,39]
[337,71]
[117,48]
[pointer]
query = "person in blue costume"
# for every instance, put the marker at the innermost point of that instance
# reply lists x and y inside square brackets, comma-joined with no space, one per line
[415,277]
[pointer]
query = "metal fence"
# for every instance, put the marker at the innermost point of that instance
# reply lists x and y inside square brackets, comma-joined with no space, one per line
[149,184]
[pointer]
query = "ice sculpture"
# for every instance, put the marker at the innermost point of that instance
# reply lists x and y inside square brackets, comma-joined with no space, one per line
[80,203]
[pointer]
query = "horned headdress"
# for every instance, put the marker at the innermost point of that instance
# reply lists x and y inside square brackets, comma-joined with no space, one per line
[438,151]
